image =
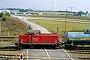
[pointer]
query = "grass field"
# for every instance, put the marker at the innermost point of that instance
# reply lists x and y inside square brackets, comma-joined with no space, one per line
[51,25]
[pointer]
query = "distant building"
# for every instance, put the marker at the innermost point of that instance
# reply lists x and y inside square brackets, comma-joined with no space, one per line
[4,11]
[83,15]
[86,14]
[14,12]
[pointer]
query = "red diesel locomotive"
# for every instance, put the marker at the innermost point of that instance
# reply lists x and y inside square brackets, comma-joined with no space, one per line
[36,38]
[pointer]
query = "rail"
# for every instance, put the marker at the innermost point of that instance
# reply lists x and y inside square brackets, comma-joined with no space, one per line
[8,38]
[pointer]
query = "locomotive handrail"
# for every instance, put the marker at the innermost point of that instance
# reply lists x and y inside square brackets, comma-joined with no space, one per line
[33,31]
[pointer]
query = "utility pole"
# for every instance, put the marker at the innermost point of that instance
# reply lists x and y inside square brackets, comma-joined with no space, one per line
[52,9]
[34,8]
[71,8]
[0,27]
[65,22]
[29,10]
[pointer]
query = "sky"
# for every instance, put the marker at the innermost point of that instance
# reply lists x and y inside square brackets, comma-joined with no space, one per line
[78,5]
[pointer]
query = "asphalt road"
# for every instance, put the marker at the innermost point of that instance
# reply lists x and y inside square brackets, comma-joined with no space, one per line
[36,27]
[48,54]
[33,25]
[45,54]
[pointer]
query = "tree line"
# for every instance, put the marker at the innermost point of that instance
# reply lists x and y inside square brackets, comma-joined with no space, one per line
[80,13]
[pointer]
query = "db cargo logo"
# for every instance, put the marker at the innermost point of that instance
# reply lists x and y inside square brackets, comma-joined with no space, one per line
[35,38]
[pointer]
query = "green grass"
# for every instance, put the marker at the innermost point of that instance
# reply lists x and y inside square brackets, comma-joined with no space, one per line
[51,25]
[8,42]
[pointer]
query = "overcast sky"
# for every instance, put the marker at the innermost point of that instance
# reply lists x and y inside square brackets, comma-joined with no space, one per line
[47,5]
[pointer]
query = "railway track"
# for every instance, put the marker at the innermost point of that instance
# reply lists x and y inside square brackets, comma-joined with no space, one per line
[10,57]
[10,53]
[83,53]
[8,38]
[53,54]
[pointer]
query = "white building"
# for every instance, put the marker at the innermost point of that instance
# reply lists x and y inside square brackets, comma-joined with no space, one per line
[4,11]
[88,14]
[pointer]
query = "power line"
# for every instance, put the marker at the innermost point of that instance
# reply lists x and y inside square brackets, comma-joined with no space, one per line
[52,9]
[71,8]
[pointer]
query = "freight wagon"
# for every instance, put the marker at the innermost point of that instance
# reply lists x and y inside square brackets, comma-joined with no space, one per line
[36,38]
[77,38]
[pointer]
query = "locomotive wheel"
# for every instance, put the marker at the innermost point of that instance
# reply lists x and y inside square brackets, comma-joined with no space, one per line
[25,46]
[53,46]
[35,46]
[20,45]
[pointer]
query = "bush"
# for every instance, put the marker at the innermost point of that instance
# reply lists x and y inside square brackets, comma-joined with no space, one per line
[1,14]
[7,14]
[3,18]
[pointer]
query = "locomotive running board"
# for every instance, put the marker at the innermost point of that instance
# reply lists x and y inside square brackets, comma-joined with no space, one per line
[39,44]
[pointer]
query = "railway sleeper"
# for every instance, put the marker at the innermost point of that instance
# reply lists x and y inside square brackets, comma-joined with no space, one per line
[84,58]
[83,52]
